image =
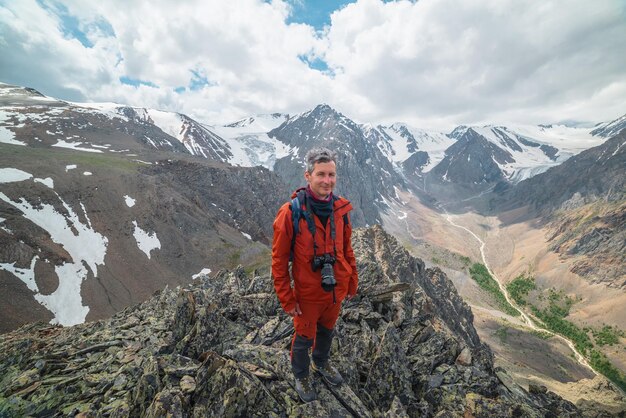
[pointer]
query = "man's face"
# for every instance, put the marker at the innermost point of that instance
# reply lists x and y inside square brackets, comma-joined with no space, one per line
[322,179]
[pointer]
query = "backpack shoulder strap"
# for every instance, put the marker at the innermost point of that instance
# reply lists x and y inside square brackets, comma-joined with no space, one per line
[297,212]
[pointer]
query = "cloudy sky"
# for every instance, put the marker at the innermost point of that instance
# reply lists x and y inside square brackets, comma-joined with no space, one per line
[432,63]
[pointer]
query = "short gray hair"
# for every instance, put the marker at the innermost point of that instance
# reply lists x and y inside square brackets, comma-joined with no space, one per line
[319,155]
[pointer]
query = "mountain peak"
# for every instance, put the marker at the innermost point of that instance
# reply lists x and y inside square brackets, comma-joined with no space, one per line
[323,111]
[325,107]
[458,131]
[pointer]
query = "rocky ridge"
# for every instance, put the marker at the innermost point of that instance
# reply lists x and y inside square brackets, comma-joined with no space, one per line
[219,347]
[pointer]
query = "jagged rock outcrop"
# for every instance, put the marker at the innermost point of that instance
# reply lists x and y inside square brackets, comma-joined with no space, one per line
[219,347]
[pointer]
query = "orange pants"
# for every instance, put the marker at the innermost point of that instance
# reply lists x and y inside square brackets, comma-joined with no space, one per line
[313,329]
[313,314]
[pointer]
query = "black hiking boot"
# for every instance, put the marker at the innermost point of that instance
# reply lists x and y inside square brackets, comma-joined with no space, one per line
[329,373]
[305,389]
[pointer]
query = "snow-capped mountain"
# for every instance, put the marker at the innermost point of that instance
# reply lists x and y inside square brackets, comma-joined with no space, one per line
[249,142]
[366,175]
[609,129]
[129,176]
[516,152]
[404,142]
[195,138]
[493,153]
[585,199]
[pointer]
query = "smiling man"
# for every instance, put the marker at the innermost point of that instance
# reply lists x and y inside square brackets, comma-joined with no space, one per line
[313,231]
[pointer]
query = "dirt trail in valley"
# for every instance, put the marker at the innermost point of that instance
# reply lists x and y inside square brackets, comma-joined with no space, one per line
[526,318]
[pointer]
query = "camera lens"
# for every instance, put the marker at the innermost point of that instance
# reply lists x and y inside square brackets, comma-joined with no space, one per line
[328,277]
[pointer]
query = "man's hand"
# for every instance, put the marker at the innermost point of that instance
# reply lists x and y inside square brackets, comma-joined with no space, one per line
[295,311]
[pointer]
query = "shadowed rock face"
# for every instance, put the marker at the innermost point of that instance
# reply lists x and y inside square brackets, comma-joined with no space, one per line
[472,160]
[405,345]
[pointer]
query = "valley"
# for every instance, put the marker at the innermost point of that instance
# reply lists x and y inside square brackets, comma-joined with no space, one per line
[454,241]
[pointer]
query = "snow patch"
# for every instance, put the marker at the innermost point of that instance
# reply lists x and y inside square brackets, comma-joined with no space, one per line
[249,143]
[246,235]
[130,202]
[47,182]
[10,175]
[86,247]
[70,167]
[146,241]
[74,145]
[8,137]
[4,228]
[169,122]
[109,110]
[617,149]
[203,272]
[87,173]
[26,275]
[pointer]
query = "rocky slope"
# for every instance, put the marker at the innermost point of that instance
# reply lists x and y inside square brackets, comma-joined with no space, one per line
[595,234]
[406,346]
[99,210]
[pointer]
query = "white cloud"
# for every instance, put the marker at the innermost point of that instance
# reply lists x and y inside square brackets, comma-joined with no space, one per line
[430,63]
[482,60]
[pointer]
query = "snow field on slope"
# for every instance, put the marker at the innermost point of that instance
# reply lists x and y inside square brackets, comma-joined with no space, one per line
[146,241]
[568,139]
[86,247]
[250,144]
[434,143]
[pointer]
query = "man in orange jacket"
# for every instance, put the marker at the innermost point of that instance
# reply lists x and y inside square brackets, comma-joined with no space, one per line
[323,268]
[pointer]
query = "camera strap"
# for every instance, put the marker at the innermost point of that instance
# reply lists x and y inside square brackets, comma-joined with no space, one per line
[332,231]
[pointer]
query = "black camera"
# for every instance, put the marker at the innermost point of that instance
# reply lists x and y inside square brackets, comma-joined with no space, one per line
[325,262]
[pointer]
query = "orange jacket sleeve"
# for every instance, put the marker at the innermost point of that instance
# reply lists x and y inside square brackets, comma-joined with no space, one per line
[349,254]
[281,248]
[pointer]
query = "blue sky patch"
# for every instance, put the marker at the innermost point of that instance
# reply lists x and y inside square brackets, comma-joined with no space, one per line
[180,90]
[199,81]
[102,26]
[69,25]
[315,13]
[315,63]
[136,82]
